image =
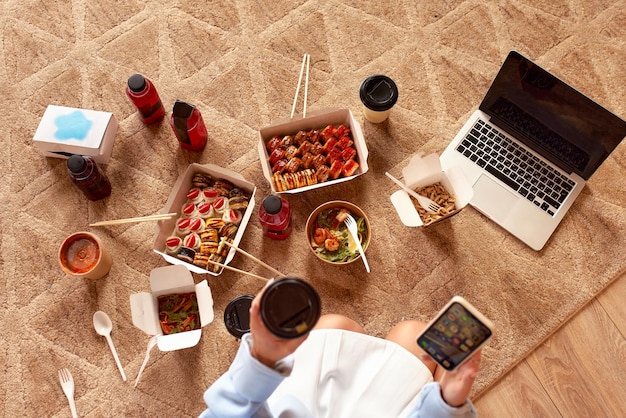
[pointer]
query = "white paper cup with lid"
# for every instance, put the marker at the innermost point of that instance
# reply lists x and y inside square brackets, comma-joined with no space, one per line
[378,94]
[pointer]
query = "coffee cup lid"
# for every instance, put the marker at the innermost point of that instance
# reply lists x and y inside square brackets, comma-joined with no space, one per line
[237,315]
[379,93]
[290,307]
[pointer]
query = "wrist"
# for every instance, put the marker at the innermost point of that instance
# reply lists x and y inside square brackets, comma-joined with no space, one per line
[450,403]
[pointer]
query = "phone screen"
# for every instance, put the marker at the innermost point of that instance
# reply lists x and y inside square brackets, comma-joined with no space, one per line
[454,336]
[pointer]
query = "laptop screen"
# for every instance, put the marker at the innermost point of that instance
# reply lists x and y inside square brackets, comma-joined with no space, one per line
[552,118]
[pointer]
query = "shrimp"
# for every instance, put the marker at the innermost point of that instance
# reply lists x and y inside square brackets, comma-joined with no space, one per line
[319,236]
[331,244]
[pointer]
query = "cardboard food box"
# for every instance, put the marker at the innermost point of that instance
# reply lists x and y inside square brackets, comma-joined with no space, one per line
[426,171]
[64,131]
[315,120]
[177,199]
[165,281]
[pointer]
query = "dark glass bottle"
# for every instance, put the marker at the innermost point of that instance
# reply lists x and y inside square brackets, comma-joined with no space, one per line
[275,217]
[146,99]
[88,177]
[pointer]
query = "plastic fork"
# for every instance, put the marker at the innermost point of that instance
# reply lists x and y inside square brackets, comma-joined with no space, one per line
[428,204]
[67,383]
[352,228]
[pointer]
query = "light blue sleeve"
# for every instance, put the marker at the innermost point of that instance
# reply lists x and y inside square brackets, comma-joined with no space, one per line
[432,405]
[243,390]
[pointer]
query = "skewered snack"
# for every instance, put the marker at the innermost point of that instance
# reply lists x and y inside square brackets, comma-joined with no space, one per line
[178,312]
[311,157]
[213,210]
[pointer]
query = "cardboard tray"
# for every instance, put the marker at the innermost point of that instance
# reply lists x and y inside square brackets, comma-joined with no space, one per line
[178,197]
[316,120]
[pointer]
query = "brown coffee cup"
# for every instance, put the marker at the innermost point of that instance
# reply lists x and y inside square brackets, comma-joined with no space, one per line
[83,255]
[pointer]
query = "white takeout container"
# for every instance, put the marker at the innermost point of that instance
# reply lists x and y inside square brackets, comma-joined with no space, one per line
[315,120]
[165,281]
[425,171]
[177,199]
[65,131]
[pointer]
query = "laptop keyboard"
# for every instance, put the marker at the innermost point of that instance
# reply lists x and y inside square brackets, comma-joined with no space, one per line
[516,167]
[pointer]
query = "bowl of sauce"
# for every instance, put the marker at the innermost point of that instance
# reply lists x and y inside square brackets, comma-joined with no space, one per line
[82,255]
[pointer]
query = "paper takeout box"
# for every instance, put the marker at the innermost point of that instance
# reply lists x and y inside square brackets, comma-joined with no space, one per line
[425,171]
[165,281]
[64,131]
[315,120]
[177,199]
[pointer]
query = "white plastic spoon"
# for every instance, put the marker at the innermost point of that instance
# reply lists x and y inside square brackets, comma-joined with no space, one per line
[103,325]
[151,344]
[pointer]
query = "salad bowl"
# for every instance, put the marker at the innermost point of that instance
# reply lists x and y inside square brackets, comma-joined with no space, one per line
[328,236]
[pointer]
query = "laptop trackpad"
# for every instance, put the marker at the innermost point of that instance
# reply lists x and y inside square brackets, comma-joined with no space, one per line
[493,199]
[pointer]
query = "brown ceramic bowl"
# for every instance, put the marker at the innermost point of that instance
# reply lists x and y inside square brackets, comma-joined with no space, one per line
[340,256]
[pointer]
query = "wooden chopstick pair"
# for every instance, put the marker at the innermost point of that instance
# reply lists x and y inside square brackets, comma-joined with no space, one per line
[306,60]
[247,273]
[149,218]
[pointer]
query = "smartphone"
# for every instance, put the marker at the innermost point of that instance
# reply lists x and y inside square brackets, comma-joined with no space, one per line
[455,334]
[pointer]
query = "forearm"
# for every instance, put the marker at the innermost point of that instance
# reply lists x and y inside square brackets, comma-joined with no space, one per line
[431,404]
[243,390]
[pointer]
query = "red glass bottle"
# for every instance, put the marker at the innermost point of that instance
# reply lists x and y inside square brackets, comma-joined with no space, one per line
[88,177]
[188,126]
[146,99]
[275,217]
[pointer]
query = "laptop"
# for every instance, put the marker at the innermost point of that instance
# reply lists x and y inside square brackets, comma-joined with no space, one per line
[530,147]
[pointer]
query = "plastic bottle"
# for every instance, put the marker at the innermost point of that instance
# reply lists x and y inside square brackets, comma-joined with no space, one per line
[145,97]
[88,177]
[275,217]
[188,126]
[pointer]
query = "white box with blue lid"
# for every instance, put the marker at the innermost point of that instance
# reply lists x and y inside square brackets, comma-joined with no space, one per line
[64,131]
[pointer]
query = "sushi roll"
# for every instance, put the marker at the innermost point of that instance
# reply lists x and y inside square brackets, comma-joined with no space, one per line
[209,235]
[232,216]
[210,194]
[189,210]
[201,180]
[205,210]
[182,226]
[186,254]
[228,231]
[195,195]
[208,247]
[223,187]
[196,225]
[220,205]
[173,244]
[192,241]
[201,260]
[238,202]
[214,223]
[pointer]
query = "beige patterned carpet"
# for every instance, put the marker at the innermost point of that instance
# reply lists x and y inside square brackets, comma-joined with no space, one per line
[238,61]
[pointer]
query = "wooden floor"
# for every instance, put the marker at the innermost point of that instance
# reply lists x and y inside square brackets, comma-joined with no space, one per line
[580,371]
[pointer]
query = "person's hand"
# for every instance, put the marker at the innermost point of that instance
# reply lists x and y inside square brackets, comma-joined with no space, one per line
[266,347]
[456,385]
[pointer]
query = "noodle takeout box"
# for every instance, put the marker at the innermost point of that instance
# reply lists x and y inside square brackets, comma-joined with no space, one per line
[166,281]
[65,131]
[425,171]
[177,199]
[316,120]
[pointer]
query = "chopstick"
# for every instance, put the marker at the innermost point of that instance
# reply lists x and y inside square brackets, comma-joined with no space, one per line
[306,59]
[306,84]
[267,266]
[149,218]
[236,270]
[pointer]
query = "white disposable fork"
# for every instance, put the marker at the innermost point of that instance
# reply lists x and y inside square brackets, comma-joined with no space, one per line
[67,383]
[352,228]
[426,203]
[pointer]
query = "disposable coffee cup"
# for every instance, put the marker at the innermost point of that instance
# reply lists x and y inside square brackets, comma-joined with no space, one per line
[83,255]
[378,94]
[290,307]
[237,315]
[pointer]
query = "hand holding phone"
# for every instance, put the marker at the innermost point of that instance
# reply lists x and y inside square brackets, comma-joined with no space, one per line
[456,333]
